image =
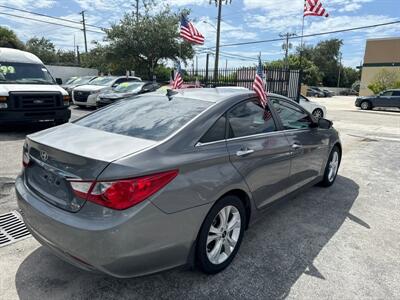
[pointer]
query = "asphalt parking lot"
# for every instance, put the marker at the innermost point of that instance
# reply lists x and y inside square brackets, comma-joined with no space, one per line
[338,243]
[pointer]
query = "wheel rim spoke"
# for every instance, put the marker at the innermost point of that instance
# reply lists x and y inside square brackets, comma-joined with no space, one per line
[223,234]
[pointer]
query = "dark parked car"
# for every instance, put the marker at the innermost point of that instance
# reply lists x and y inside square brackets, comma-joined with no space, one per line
[315,93]
[77,81]
[389,98]
[328,93]
[325,92]
[126,90]
[169,180]
[349,92]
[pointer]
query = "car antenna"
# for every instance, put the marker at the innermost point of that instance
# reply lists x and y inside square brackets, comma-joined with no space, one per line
[171,93]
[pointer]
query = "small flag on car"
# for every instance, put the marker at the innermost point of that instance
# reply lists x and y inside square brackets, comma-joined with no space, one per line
[259,84]
[314,8]
[190,33]
[178,81]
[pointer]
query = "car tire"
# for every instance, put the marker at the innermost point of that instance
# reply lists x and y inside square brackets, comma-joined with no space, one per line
[217,245]
[365,105]
[318,113]
[332,167]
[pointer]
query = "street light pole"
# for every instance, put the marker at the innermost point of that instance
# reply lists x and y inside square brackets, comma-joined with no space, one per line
[340,68]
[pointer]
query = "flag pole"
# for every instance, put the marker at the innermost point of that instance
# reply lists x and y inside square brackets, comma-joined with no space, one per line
[301,56]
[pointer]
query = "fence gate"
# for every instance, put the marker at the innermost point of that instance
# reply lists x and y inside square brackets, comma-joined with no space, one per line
[285,82]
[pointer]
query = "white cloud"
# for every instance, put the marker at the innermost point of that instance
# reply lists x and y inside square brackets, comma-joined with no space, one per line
[28,4]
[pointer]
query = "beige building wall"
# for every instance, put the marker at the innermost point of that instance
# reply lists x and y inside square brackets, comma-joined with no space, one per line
[380,54]
[367,76]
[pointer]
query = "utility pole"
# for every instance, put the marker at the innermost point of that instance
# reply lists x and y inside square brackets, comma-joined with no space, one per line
[218,3]
[286,46]
[137,11]
[84,28]
[340,68]
[78,55]
[207,59]
[226,64]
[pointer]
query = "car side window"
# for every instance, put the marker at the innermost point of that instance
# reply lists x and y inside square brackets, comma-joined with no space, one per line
[292,117]
[249,118]
[387,93]
[396,93]
[216,132]
[120,80]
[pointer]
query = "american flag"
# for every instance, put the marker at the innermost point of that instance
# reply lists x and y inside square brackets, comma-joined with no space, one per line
[190,33]
[259,84]
[314,8]
[178,77]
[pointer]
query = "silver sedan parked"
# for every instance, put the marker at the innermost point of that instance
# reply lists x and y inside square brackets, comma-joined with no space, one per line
[169,180]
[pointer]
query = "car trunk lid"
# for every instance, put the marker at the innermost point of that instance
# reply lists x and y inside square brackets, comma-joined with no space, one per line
[72,152]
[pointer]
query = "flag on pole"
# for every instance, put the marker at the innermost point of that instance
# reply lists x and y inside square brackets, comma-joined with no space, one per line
[259,84]
[190,33]
[178,81]
[314,8]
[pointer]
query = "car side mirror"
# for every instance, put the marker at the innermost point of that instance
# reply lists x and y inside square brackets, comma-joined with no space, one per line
[324,123]
[59,81]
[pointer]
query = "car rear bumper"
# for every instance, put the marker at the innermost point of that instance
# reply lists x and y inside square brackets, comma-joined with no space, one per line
[134,242]
[10,116]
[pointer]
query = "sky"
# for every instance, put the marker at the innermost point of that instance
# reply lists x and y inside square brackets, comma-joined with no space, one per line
[242,21]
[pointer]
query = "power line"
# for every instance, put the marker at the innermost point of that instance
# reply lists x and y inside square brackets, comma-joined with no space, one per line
[47,16]
[48,22]
[306,35]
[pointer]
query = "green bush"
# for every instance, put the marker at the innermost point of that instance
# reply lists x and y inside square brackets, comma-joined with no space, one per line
[385,80]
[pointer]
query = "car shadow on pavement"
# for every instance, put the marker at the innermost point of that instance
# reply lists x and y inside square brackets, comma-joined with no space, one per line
[275,252]
[19,131]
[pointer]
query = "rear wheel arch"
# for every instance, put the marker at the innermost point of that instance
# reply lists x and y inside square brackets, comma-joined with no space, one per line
[337,144]
[244,197]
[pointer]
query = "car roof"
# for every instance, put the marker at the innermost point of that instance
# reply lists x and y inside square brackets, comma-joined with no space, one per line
[18,56]
[217,94]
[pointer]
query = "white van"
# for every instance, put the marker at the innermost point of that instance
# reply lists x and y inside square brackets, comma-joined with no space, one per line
[28,93]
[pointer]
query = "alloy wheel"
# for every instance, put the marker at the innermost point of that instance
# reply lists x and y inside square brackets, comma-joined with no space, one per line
[223,234]
[318,113]
[333,166]
[364,105]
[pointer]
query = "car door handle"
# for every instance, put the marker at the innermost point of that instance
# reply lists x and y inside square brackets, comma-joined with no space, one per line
[244,152]
[296,146]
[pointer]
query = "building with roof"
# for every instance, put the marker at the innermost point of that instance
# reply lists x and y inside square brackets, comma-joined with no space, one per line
[380,54]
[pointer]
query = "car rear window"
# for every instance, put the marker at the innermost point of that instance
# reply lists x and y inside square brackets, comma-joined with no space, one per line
[151,117]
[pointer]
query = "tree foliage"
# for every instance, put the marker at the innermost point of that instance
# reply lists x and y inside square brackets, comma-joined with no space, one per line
[311,73]
[42,48]
[384,80]
[325,56]
[9,39]
[142,45]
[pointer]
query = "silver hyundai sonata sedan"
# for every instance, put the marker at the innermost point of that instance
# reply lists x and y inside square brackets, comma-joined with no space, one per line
[161,181]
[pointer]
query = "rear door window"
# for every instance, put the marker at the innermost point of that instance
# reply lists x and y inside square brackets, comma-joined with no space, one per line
[292,116]
[147,117]
[249,118]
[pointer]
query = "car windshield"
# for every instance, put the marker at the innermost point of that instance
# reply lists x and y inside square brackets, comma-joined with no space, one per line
[83,80]
[150,117]
[71,80]
[24,73]
[128,87]
[103,81]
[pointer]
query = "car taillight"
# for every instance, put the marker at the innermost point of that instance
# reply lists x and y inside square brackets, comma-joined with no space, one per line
[25,159]
[122,194]
[25,155]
